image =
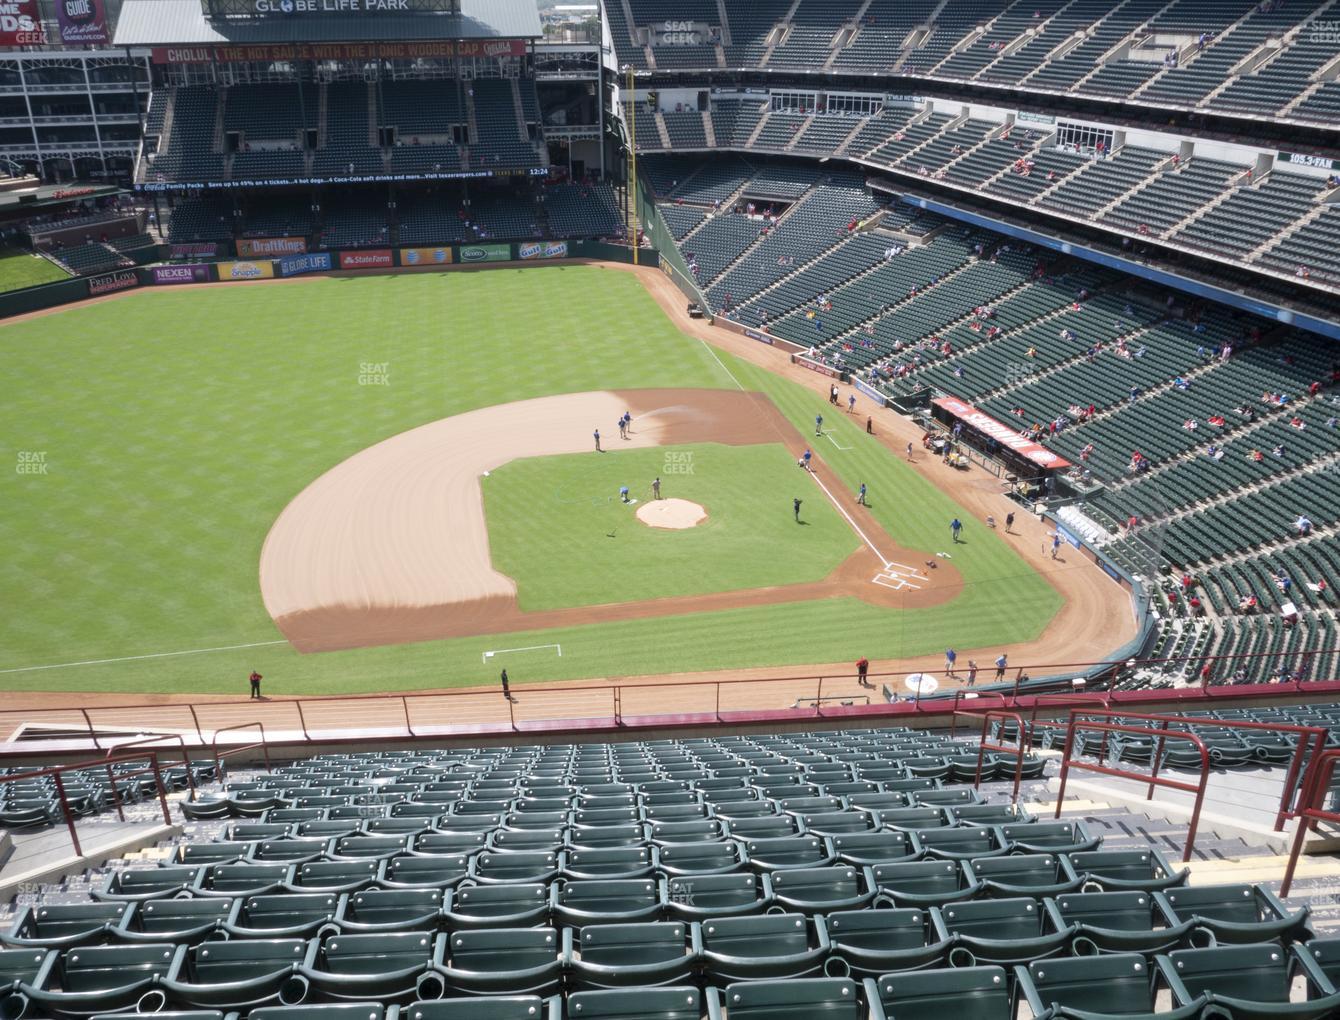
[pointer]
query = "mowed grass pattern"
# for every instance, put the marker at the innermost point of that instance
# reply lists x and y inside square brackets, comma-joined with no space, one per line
[559,529]
[19,269]
[177,424]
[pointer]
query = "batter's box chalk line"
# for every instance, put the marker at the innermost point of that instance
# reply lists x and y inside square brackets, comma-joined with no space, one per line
[529,648]
[899,577]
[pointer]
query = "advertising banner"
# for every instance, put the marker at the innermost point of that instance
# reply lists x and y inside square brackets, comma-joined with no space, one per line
[194,273]
[21,24]
[428,50]
[815,366]
[317,262]
[486,253]
[82,22]
[378,258]
[198,250]
[543,250]
[762,338]
[112,282]
[1304,159]
[1003,434]
[425,256]
[870,391]
[262,247]
[246,270]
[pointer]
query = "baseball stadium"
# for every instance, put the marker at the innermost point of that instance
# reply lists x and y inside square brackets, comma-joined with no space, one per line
[670,510]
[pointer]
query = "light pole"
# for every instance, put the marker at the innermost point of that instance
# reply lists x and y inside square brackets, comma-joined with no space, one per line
[633,234]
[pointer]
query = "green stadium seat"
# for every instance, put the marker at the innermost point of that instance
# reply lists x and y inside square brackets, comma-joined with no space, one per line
[179,921]
[763,826]
[784,852]
[964,993]
[999,931]
[914,818]
[485,1007]
[382,966]
[57,925]
[219,852]
[874,942]
[1023,875]
[881,847]
[283,916]
[249,832]
[987,814]
[833,998]
[510,961]
[323,1011]
[962,843]
[835,823]
[957,796]
[234,879]
[1112,870]
[708,858]
[1119,922]
[130,884]
[605,901]
[22,967]
[1249,982]
[594,837]
[373,910]
[549,839]
[624,955]
[609,862]
[239,973]
[376,848]
[1047,837]
[495,906]
[288,851]
[1325,957]
[676,1002]
[1094,987]
[535,866]
[762,946]
[428,871]
[412,827]
[1235,913]
[697,897]
[923,883]
[335,876]
[819,890]
[103,979]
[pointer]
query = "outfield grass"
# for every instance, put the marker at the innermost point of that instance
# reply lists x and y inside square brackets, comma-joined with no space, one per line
[19,269]
[174,426]
[558,528]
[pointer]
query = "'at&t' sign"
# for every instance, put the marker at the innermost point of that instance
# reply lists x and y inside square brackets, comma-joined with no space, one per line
[678,33]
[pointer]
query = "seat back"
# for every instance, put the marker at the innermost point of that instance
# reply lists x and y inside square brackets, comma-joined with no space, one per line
[757,935]
[903,928]
[1257,973]
[243,959]
[674,1003]
[273,913]
[616,945]
[1115,983]
[99,968]
[833,998]
[502,950]
[375,954]
[964,993]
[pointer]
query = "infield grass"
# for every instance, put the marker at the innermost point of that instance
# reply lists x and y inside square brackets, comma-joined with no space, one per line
[174,426]
[559,529]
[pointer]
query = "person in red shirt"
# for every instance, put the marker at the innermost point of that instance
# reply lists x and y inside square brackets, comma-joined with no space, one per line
[255,679]
[862,668]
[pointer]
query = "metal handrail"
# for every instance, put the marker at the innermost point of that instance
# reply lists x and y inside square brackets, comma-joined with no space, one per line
[1067,763]
[1001,748]
[1310,810]
[185,754]
[1316,735]
[57,771]
[218,757]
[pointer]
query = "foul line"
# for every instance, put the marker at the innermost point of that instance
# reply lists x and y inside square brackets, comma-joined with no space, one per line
[529,648]
[134,658]
[712,351]
[829,434]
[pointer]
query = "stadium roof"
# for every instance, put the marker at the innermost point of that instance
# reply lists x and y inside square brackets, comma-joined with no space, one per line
[183,23]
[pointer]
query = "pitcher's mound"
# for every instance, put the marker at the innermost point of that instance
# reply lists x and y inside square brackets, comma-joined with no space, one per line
[671,513]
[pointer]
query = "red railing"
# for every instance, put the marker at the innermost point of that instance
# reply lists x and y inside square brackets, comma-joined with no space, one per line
[1000,748]
[1311,808]
[219,757]
[1198,789]
[589,706]
[1316,735]
[185,755]
[57,771]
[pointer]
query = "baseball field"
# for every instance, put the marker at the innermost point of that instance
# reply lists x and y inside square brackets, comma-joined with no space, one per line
[390,483]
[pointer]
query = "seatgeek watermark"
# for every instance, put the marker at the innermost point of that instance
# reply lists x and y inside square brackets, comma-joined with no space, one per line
[678,462]
[374,373]
[31,462]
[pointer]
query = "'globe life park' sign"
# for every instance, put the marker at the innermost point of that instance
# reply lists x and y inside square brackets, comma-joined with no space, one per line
[289,7]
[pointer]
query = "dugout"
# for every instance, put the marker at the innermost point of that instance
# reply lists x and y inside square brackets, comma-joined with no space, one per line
[1021,456]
